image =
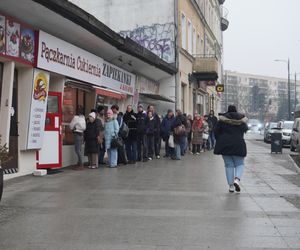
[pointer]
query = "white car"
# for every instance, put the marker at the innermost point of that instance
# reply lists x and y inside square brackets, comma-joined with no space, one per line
[287,127]
[295,137]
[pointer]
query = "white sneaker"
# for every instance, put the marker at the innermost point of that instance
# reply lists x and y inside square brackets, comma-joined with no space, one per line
[150,159]
[231,189]
[197,153]
[93,167]
[158,157]
[237,185]
[90,167]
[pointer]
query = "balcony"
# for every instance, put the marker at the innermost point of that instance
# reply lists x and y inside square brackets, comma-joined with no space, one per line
[205,67]
[221,2]
[224,19]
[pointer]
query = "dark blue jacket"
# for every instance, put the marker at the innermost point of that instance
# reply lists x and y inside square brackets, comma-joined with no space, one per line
[166,127]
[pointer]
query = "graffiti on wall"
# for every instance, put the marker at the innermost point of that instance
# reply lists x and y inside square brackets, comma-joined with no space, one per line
[158,38]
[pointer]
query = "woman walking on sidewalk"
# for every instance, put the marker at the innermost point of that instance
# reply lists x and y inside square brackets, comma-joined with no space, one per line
[230,143]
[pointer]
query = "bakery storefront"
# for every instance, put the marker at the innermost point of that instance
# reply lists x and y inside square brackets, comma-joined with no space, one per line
[80,78]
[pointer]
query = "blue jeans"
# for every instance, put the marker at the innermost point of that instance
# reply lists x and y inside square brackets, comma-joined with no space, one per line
[101,153]
[178,151]
[131,150]
[183,144]
[212,139]
[141,147]
[234,166]
[112,157]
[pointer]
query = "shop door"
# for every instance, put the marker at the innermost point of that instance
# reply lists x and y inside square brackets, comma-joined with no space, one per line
[11,166]
[50,156]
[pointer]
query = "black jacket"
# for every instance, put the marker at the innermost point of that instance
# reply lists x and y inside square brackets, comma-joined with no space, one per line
[141,122]
[130,119]
[212,121]
[229,133]
[90,137]
[179,120]
[151,126]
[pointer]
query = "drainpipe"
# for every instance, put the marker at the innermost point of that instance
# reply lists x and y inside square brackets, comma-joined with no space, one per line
[177,76]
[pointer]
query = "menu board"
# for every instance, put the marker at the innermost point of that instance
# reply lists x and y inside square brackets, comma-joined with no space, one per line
[38,109]
[16,40]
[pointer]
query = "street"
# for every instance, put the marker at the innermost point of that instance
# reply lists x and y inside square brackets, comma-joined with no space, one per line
[162,205]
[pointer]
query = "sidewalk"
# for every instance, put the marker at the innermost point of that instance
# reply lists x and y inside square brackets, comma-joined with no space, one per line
[160,205]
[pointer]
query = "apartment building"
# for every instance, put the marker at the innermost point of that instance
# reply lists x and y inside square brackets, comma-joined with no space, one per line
[261,97]
[185,33]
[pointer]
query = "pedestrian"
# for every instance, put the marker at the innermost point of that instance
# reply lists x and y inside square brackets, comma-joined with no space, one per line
[111,130]
[205,136]
[178,130]
[189,124]
[91,135]
[101,141]
[212,120]
[122,159]
[130,120]
[157,138]
[141,117]
[230,143]
[151,127]
[197,139]
[166,131]
[78,126]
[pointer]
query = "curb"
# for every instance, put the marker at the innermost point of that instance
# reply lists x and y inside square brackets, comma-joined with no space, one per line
[294,163]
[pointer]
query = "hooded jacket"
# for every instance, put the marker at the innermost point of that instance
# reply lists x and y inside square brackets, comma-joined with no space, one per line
[130,119]
[229,132]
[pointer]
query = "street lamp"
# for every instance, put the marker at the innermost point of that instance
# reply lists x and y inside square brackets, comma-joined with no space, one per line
[296,88]
[289,86]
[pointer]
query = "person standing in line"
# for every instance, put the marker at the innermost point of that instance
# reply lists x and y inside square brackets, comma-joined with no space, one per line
[166,131]
[178,129]
[111,130]
[131,141]
[189,124]
[197,129]
[122,159]
[205,134]
[230,143]
[101,121]
[157,138]
[78,126]
[150,133]
[212,119]
[91,135]
[141,136]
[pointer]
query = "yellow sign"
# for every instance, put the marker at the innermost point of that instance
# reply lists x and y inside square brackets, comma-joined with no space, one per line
[220,88]
[40,87]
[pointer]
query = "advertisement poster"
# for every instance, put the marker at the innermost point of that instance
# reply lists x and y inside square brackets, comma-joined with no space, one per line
[38,109]
[2,34]
[12,38]
[27,44]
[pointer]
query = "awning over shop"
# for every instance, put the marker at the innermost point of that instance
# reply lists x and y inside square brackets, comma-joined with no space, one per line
[157,97]
[110,93]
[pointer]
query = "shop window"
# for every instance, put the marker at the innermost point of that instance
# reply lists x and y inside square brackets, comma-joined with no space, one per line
[71,100]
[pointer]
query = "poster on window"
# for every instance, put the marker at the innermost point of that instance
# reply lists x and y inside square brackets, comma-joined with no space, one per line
[12,38]
[27,44]
[38,108]
[2,34]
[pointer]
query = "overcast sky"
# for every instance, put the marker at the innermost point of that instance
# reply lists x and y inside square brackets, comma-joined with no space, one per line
[259,32]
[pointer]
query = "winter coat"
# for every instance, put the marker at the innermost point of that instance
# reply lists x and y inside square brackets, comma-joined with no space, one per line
[179,120]
[151,126]
[157,124]
[229,133]
[91,138]
[141,122]
[111,130]
[131,121]
[166,127]
[212,121]
[197,130]
[78,124]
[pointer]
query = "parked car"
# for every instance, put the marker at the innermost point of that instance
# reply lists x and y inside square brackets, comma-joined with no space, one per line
[287,127]
[254,125]
[269,128]
[295,137]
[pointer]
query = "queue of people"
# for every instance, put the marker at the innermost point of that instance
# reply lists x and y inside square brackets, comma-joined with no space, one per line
[137,136]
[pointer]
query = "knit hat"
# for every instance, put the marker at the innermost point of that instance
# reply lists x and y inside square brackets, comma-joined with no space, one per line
[170,111]
[110,112]
[140,106]
[93,114]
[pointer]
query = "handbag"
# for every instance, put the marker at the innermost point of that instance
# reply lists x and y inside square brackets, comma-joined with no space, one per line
[116,142]
[205,136]
[171,141]
[124,131]
[179,130]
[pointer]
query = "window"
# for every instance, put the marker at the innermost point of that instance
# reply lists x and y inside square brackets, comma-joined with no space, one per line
[194,41]
[183,31]
[72,99]
[190,37]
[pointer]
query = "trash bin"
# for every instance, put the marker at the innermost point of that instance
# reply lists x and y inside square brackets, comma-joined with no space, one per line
[276,142]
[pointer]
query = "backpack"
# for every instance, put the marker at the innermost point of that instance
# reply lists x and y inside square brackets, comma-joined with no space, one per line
[123,131]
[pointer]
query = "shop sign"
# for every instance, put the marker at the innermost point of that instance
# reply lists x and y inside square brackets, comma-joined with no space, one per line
[66,59]
[17,41]
[38,108]
[117,79]
[220,88]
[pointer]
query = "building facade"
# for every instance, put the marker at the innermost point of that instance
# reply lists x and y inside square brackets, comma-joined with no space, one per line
[185,33]
[261,97]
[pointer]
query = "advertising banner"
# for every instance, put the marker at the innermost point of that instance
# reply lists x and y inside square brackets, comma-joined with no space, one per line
[38,109]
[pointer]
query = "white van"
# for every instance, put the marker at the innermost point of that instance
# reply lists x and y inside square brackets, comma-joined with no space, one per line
[295,136]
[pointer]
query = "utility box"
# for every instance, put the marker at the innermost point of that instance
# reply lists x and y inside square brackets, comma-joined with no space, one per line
[276,142]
